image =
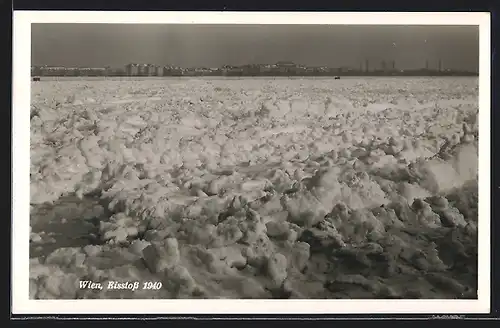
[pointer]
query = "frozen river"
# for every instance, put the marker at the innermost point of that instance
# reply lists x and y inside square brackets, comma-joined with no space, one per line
[254,188]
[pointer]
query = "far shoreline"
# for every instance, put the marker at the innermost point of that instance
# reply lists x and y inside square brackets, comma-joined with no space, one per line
[351,77]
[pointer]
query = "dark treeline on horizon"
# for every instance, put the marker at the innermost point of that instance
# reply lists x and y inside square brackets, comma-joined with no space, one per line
[419,72]
[280,68]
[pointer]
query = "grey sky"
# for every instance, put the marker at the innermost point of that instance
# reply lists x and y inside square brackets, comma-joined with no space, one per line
[115,45]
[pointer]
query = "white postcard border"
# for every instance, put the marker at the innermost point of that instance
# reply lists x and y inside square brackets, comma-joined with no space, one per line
[21,304]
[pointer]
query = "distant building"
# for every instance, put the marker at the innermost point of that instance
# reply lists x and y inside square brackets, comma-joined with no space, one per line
[232,70]
[53,71]
[73,71]
[118,71]
[172,71]
[287,67]
[287,64]
[69,71]
[320,70]
[265,68]
[132,69]
[300,69]
[202,71]
[142,69]
[93,71]
[160,70]
[151,70]
[251,69]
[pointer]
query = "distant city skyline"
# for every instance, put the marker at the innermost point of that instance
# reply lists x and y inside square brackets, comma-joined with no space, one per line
[189,45]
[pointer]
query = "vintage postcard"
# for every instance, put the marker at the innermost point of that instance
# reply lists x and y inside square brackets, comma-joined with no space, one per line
[223,162]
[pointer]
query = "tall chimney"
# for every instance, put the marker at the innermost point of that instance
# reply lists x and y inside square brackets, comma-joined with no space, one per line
[367,65]
[426,64]
[439,65]
[393,64]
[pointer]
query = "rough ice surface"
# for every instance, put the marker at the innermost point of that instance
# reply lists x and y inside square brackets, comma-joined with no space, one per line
[255,188]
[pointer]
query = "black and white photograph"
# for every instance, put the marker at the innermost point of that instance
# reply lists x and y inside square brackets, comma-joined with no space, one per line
[210,161]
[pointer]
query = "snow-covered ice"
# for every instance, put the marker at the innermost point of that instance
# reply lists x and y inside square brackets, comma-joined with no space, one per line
[255,188]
